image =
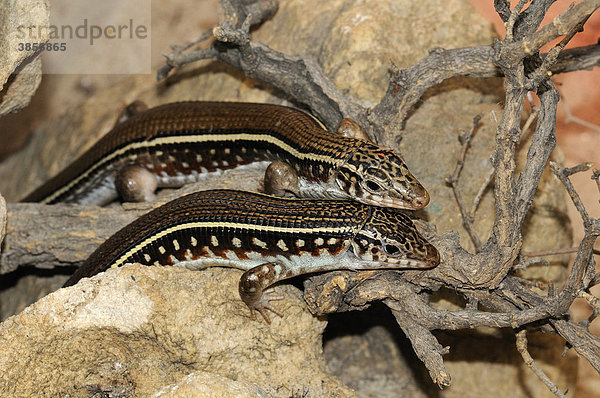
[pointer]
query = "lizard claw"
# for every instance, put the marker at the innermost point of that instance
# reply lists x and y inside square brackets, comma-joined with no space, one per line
[263,304]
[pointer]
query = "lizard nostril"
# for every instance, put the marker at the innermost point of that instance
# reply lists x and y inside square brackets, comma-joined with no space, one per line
[434,255]
[422,200]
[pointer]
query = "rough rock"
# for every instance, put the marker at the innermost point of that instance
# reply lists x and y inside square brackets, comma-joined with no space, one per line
[355,43]
[210,385]
[20,72]
[135,329]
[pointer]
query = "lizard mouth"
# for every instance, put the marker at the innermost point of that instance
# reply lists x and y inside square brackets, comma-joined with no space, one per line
[416,203]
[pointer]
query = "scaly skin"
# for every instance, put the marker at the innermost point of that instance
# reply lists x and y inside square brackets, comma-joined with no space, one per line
[270,238]
[182,142]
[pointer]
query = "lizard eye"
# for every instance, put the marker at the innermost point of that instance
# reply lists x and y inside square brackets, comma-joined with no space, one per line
[373,186]
[391,249]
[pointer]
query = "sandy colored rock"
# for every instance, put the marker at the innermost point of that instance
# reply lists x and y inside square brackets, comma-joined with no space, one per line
[210,385]
[22,86]
[136,329]
[20,73]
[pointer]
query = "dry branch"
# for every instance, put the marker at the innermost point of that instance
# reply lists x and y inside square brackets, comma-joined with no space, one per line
[299,77]
[467,217]
[522,348]
[82,230]
[406,87]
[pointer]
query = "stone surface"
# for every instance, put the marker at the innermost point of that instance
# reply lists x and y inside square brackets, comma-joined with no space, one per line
[355,42]
[21,86]
[136,329]
[20,73]
[210,385]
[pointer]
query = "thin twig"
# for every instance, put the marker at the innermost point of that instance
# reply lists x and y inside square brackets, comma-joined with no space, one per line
[594,304]
[573,16]
[550,59]
[553,252]
[570,118]
[582,271]
[532,116]
[578,336]
[510,24]
[486,183]
[529,263]
[535,284]
[467,217]
[522,348]
[563,175]
[580,168]
[178,59]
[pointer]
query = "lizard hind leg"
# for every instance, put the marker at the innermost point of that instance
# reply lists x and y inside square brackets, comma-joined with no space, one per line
[281,180]
[254,287]
[135,183]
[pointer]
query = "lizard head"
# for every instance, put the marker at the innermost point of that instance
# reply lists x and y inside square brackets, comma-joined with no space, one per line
[378,176]
[389,239]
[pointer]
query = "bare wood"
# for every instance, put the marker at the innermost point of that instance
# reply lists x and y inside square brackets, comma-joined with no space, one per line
[467,217]
[522,348]
[423,341]
[554,252]
[59,235]
[406,86]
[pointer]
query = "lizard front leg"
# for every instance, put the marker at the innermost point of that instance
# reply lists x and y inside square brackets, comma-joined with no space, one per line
[254,287]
